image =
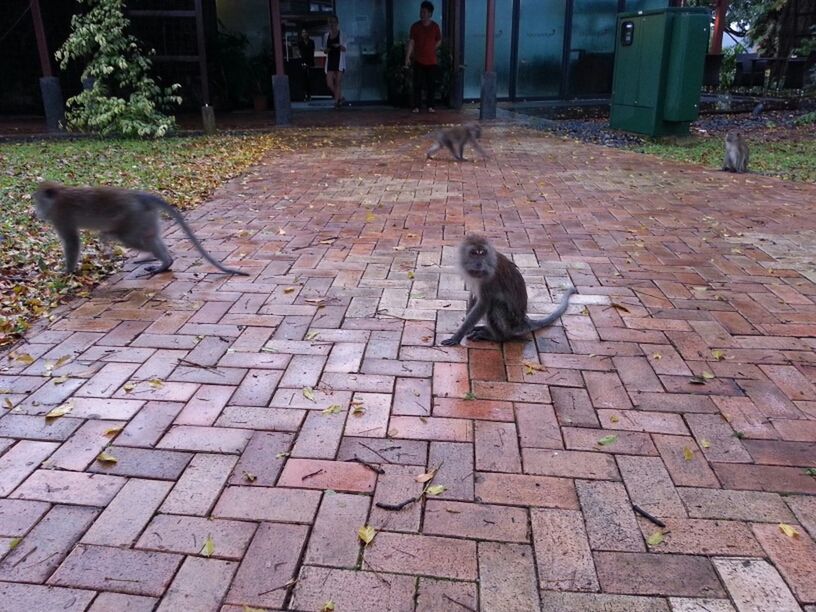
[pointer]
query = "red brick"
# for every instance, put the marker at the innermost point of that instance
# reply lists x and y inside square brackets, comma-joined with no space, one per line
[143,463]
[703,537]
[402,452]
[514,392]
[168,392]
[650,486]
[205,406]
[118,602]
[199,486]
[42,550]
[573,407]
[772,452]
[598,363]
[722,443]
[367,383]
[487,365]
[127,514]
[562,551]
[160,364]
[450,380]
[637,374]
[641,420]
[570,464]
[538,426]
[497,447]
[107,380]
[754,584]
[437,594]
[525,490]
[764,478]
[674,402]
[36,428]
[128,571]
[267,504]
[771,401]
[336,475]
[654,574]
[345,357]
[736,505]
[700,604]
[432,428]
[421,554]
[805,509]
[606,390]
[790,381]
[256,388]
[360,591]
[259,464]
[274,419]
[20,461]
[477,521]
[303,371]
[199,585]
[396,485]
[149,424]
[628,442]
[507,577]
[334,539]
[189,534]
[795,558]
[454,462]
[694,472]
[37,597]
[269,563]
[206,439]
[561,377]
[18,516]
[473,409]
[610,520]
[412,397]
[69,488]
[97,408]
[799,431]
[554,601]
[320,434]
[744,416]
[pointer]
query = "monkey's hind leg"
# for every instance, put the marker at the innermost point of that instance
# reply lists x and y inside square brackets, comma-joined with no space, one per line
[70,246]
[157,247]
[435,147]
[482,332]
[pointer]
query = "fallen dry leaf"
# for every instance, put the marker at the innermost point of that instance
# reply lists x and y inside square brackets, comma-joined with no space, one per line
[209,547]
[59,411]
[366,533]
[105,457]
[308,393]
[435,489]
[788,530]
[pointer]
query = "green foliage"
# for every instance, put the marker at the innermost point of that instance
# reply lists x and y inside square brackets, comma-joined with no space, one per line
[124,99]
[806,119]
[728,68]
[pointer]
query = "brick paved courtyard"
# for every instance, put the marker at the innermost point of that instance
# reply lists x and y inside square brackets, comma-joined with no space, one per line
[256,422]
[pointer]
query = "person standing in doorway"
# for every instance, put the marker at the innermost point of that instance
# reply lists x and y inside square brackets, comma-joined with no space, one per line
[335,60]
[425,39]
[306,47]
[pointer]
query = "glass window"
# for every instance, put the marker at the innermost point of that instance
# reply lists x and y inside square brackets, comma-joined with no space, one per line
[250,18]
[645,5]
[474,33]
[362,23]
[540,48]
[592,45]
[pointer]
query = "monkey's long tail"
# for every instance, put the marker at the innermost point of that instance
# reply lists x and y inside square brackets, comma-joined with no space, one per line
[552,318]
[170,210]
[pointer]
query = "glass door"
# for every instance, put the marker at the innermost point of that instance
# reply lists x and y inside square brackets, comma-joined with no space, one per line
[592,47]
[540,53]
[474,33]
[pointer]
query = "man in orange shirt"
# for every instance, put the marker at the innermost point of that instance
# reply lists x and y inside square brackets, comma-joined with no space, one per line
[425,39]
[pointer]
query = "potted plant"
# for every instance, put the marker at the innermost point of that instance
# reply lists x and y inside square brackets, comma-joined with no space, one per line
[261,70]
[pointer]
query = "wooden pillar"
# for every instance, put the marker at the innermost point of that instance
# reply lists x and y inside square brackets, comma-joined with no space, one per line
[277,35]
[42,45]
[490,32]
[719,27]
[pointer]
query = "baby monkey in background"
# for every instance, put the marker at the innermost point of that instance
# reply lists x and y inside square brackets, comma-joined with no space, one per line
[127,216]
[498,294]
[455,140]
[736,153]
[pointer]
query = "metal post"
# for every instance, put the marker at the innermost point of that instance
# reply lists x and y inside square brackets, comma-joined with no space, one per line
[50,89]
[487,109]
[458,87]
[280,82]
[207,111]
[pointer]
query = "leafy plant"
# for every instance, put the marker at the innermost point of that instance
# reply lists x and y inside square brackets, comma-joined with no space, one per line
[124,100]
[728,68]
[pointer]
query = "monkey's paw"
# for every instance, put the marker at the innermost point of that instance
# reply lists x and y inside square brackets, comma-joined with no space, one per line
[480,334]
[450,342]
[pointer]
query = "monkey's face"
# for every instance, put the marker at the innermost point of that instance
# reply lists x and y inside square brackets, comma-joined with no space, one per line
[732,137]
[44,200]
[477,258]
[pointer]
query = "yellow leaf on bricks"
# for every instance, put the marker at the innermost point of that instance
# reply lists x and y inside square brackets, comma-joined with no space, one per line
[788,530]
[655,539]
[435,489]
[366,533]
[59,411]
[209,547]
[688,454]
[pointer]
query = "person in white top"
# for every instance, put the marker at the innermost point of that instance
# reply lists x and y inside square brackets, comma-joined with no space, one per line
[335,60]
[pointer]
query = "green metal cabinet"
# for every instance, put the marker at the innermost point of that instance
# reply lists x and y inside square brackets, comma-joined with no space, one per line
[659,61]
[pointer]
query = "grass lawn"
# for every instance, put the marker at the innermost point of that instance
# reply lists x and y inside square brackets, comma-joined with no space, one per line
[791,157]
[184,170]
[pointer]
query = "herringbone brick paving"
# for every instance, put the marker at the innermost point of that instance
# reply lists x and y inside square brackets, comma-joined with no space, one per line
[256,422]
